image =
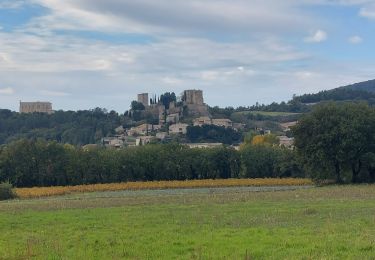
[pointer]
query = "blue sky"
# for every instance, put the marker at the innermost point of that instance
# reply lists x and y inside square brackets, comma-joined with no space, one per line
[81,54]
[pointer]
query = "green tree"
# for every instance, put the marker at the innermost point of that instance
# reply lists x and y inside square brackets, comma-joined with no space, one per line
[167,98]
[136,106]
[335,137]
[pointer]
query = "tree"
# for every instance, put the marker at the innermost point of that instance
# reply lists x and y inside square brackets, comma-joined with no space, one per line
[135,105]
[259,161]
[269,139]
[335,137]
[167,98]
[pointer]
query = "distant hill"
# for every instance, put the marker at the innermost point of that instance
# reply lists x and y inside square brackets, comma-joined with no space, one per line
[366,86]
[363,91]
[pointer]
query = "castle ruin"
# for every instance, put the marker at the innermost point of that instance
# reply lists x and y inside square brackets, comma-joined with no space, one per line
[143,98]
[192,105]
[193,97]
[193,101]
[36,107]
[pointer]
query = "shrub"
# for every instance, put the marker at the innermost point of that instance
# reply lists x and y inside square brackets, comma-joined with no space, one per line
[6,191]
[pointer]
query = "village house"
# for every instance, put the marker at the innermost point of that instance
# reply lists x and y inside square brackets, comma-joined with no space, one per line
[178,128]
[118,141]
[173,118]
[203,120]
[143,140]
[143,129]
[227,123]
[113,142]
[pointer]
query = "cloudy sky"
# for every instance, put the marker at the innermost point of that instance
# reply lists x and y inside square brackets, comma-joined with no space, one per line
[81,54]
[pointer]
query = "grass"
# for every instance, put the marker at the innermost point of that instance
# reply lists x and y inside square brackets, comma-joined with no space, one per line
[336,222]
[264,113]
[39,192]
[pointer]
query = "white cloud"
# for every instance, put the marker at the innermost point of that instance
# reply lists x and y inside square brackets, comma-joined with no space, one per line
[171,81]
[164,16]
[305,75]
[11,4]
[6,91]
[50,93]
[368,11]
[210,75]
[355,39]
[316,37]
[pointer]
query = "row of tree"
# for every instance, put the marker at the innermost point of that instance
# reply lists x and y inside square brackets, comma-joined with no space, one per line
[28,163]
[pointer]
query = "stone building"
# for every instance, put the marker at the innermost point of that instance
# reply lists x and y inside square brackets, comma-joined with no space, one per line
[143,129]
[227,123]
[143,140]
[203,120]
[36,107]
[193,97]
[173,118]
[193,100]
[143,98]
[178,129]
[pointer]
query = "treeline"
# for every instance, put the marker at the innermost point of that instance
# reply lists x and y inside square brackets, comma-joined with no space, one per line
[365,85]
[338,94]
[28,163]
[74,127]
[213,133]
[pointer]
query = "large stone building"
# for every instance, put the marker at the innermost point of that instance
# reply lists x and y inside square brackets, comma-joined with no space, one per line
[36,107]
[193,100]
[143,98]
[193,97]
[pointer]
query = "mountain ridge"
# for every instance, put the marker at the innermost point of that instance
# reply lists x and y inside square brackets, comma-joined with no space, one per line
[368,85]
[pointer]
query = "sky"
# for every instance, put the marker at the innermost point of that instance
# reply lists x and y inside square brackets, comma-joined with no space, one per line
[82,54]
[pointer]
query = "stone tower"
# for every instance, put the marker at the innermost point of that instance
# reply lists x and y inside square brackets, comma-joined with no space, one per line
[193,101]
[193,97]
[143,98]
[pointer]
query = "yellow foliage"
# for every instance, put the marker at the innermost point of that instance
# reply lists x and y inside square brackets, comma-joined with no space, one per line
[39,192]
[258,139]
[268,139]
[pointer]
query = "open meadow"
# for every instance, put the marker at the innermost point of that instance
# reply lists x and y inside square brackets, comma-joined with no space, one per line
[267,113]
[333,222]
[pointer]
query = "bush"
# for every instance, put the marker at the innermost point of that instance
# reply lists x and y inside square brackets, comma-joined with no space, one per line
[6,191]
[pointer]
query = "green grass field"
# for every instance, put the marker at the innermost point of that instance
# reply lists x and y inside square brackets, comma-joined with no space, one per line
[264,113]
[336,222]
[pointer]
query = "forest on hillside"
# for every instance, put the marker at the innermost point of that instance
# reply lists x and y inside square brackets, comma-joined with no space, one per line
[73,127]
[338,94]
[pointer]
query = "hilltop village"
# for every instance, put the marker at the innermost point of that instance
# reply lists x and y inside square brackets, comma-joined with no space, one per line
[168,117]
